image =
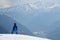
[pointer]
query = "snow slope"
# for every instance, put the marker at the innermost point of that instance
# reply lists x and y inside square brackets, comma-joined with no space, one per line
[19,37]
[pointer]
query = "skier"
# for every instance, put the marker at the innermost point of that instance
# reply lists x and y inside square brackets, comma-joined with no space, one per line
[14,29]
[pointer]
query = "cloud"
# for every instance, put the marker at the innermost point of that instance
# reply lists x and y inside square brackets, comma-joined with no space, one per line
[40,34]
[31,4]
[40,4]
[4,4]
[36,33]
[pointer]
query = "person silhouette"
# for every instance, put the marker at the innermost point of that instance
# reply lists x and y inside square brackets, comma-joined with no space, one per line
[14,30]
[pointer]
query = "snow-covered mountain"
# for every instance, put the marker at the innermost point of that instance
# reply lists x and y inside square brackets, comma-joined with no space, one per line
[34,14]
[40,19]
[6,26]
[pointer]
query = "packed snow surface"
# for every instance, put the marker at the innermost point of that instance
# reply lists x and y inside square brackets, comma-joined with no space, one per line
[19,37]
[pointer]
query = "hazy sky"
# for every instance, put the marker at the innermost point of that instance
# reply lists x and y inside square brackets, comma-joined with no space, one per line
[35,4]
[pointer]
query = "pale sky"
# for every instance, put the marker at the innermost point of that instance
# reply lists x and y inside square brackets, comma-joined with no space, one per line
[4,4]
[35,4]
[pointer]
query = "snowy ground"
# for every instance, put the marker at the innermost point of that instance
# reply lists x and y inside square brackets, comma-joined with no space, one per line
[19,37]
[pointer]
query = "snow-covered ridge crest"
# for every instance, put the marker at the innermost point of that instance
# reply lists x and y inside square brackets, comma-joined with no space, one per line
[19,37]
